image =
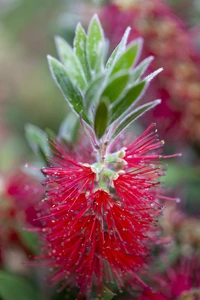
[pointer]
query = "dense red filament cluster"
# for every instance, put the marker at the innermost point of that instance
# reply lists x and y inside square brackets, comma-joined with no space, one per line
[95,236]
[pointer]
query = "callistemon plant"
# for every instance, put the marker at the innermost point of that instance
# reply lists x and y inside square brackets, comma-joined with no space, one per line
[103,194]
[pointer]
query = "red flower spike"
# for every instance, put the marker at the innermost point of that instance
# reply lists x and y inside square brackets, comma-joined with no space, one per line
[180,281]
[25,193]
[101,218]
[21,196]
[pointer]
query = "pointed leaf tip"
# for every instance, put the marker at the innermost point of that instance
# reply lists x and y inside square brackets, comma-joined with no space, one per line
[49,57]
[119,49]
[152,75]
[95,44]
[95,17]
[157,101]
[126,35]
[50,60]
[58,39]
[38,140]
[80,42]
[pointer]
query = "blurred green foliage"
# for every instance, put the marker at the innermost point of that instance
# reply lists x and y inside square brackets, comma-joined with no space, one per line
[14,287]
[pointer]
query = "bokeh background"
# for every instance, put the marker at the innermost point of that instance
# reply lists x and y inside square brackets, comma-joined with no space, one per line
[171,32]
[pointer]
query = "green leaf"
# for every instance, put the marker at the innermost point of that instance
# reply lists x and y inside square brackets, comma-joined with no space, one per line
[126,60]
[116,87]
[119,49]
[69,127]
[71,62]
[137,72]
[138,112]
[92,95]
[95,44]
[71,93]
[80,43]
[128,100]
[14,287]
[38,140]
[101,119]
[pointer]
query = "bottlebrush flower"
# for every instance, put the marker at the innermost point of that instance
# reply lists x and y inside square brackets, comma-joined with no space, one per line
[103,200]
[101,217]
[167,38]
[180,281]
[20,196]
[25,193]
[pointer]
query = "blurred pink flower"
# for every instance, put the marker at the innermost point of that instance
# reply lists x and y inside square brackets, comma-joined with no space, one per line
[20,196]
[180,281]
